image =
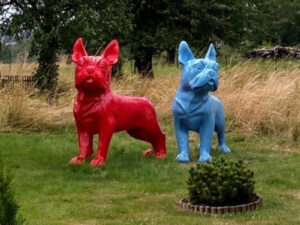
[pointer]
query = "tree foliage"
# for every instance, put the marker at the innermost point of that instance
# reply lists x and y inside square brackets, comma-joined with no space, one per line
[276,22]
[161,25]
[55,25]
[147,27]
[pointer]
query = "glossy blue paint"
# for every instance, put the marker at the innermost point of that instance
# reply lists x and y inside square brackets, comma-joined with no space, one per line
[194,109]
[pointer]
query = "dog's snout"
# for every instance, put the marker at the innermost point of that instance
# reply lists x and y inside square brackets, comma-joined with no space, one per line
[90,69]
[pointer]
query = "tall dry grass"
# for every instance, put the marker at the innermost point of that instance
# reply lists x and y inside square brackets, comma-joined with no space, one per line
[160,91]
[24,109]
[262,102]
[17,110]
[258,99]
[18,68]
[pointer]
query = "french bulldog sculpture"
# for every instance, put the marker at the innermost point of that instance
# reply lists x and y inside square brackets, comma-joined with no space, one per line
[98,110]
[194,108]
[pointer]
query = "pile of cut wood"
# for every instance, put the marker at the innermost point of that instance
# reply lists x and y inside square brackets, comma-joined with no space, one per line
[276,52]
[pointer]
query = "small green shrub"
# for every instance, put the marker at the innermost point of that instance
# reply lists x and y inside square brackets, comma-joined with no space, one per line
[221,183]
[8,205]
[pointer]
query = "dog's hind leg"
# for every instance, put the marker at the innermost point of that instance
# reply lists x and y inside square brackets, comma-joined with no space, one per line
[160,146]
[157,139]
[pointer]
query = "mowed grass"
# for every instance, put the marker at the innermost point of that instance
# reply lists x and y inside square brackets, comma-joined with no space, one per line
[131,189]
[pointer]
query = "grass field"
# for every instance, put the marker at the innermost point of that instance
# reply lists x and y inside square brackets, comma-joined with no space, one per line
[130,189]
[37,140]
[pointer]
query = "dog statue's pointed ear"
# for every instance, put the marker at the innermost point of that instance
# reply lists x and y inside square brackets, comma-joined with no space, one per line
[211,53]
[111,53]
[78,50]
[184,53]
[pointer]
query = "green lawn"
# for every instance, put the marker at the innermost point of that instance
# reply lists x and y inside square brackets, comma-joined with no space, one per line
[130,189]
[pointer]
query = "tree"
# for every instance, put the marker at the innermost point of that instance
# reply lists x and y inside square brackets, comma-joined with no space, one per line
[219,21]
[158,25]
[143,38]
[161,24]
[175,28]
[55,25]
[275,21]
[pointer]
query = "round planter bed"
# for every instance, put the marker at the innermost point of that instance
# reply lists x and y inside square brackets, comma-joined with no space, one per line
[186,205]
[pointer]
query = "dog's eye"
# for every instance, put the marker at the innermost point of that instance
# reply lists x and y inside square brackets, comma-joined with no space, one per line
[216,66]
[101,65]
[80,62]
[199,66]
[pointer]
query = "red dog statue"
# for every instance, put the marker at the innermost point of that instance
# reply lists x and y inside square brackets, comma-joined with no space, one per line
[98,110]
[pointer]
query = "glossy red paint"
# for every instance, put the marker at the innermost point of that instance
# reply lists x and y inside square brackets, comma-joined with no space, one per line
[98,110]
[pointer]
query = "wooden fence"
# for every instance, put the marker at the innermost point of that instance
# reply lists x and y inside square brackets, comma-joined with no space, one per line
[27,81]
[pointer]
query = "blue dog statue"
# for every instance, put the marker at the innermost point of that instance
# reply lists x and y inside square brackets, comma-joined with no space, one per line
[193,106]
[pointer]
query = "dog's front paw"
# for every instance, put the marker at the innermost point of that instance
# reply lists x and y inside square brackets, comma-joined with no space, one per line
[148,152]
[204,157]
[77,160]
[160,155]
[224,148]
[182,157]
[97,162]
